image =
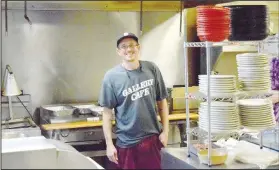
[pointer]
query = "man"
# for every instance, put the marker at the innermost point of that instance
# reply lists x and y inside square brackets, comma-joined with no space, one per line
[136,90]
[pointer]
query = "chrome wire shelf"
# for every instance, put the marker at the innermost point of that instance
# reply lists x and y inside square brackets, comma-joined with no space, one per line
[229,96]
[232,97]
[202,134]
[230,43]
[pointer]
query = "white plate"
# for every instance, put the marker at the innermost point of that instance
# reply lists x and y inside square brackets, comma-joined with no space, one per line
[218,76]
[259,63]
[216,103]
[249,78]
[258,60]
[221,119]
[217,82]
[254,81]
[218,113]
[255,86]
[219,94]
[251,55]
[254,122]
[255,89]
[215,90]
[218,109]
[256,117]
[251,59]
[255,112]
[254,71]
[218,87]
[252,68]
[218,127]
[219,130]
[253,102]
[251,65]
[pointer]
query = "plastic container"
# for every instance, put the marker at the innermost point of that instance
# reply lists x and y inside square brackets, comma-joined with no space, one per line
[218,156]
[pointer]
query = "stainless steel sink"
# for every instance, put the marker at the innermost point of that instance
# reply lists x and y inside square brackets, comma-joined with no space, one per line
[21,132]
[10,135]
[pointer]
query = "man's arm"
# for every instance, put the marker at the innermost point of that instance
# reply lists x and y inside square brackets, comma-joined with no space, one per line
[162,105]
[164,113]
[107,100]
[107,125]
[107,128]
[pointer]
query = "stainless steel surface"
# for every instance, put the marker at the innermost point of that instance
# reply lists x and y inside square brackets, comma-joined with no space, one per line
[87,109]
[57,59]
[41,153]
[229,43]
[54,111]
[68,113]
[28,153]
[77,135]
[69,118]
[18,123]
[78,143]
[176,158]
[94,153]
[21,132]
[269,140]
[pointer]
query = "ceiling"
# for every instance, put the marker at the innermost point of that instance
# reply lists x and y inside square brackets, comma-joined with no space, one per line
[101,5]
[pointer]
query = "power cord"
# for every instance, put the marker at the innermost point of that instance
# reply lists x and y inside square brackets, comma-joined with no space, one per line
[26,109]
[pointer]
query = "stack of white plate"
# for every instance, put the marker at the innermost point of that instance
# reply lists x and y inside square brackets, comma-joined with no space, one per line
[256,113]
[219,84]
[253,72]
[224,117]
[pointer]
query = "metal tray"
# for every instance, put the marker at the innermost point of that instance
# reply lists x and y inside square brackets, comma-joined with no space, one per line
[87,109]
[55,111]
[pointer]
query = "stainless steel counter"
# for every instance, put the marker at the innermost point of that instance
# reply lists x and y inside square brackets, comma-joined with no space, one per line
[176,158]
[41,153]
[21,132]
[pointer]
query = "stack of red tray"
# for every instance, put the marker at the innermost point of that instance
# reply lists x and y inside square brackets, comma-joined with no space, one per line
[213,23]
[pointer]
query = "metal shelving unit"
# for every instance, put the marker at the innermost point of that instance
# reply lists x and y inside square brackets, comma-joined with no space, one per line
[229,96]
[208,97]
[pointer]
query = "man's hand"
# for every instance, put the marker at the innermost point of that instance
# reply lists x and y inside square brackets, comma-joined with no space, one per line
[112,153]
[164,138]
[164,113]
[275,97]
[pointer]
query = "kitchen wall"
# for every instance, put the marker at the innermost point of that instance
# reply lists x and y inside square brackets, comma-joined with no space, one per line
[64,55]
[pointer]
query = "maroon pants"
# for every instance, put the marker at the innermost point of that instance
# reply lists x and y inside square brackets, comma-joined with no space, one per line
[145,155]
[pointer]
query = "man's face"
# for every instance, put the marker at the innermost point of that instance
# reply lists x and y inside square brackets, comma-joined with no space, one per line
[128,49]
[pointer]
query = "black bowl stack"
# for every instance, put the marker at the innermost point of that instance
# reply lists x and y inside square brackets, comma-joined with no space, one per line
[248,22]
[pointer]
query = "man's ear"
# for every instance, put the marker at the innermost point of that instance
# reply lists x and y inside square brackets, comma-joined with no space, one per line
[117,50]
[139,46]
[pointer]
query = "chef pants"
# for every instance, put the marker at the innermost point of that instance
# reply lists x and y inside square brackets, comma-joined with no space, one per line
[145,155]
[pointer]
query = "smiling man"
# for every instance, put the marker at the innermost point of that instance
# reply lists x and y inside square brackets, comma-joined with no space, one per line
[135,89]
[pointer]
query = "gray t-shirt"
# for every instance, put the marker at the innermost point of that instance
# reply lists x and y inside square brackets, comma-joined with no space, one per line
[133,95]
